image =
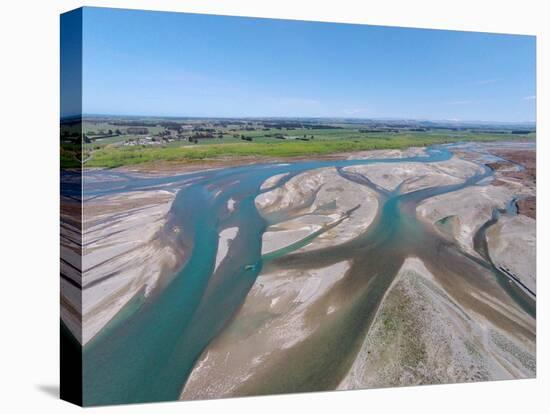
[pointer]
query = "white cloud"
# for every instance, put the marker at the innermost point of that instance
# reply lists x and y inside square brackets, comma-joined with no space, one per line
[530,98]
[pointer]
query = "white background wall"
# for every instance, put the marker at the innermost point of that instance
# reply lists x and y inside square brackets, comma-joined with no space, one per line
[29,56]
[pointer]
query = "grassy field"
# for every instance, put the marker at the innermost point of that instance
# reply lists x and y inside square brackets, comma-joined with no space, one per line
[93,128]
[325,142]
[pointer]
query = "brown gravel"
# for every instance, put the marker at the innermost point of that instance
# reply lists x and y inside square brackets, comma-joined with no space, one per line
[526,158]
[528,207]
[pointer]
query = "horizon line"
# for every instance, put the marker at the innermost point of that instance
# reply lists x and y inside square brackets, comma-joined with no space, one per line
[384,118]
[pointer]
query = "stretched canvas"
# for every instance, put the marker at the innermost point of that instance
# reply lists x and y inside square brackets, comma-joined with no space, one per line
[258,206]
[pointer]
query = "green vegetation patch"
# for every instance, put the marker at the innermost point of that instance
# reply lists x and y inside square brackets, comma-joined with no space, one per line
[115,156]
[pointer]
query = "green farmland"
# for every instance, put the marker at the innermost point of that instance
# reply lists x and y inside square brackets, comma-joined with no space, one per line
[195,140]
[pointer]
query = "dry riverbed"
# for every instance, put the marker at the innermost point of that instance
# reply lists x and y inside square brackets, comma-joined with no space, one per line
[315,201]
[426,329]
[461,214]
[273,318]
[429,328]
[422,335]
[124,253]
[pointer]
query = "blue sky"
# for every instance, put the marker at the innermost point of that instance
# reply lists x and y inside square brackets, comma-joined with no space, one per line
[174,64]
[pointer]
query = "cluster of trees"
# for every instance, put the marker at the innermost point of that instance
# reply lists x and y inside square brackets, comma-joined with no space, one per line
[283,124]
[137,130]
[366,131]
[91,136]
[521,131]
[133,123]
[201,135]
[174,126]
[322,126]
[103,133]
[203,129]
